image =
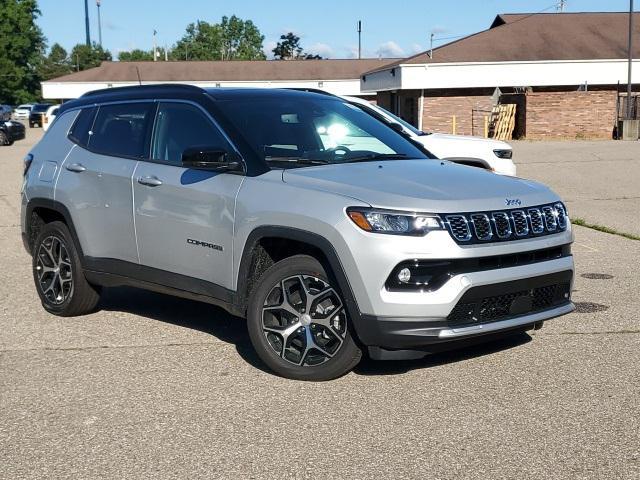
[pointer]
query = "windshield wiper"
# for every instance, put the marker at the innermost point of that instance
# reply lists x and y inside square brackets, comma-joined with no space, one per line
[372,157]
[296,160]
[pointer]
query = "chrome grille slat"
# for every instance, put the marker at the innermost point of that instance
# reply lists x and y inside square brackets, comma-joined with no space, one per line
[459,226]
[520,223]
[481,226]
[505,225]
[502,224]
[535,216]
[550,221]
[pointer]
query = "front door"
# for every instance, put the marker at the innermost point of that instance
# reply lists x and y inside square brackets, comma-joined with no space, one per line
[184,217]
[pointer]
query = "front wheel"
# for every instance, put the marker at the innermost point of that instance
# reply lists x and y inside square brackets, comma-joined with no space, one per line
[298,324]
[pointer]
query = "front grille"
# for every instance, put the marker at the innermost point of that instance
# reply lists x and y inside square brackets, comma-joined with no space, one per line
[480,227]
[459,227]
[475,308]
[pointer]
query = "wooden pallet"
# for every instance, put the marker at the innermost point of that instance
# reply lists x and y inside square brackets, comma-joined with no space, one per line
[503,121]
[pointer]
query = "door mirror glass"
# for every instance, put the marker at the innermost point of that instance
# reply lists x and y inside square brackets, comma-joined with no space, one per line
[211,158]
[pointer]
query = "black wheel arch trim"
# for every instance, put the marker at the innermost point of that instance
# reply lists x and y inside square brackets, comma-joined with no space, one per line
[57,207]
[303,236]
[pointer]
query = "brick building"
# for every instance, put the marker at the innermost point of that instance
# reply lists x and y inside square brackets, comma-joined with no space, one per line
[561,69]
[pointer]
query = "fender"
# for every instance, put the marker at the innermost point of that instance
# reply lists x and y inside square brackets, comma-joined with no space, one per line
[309,238]
[57,207]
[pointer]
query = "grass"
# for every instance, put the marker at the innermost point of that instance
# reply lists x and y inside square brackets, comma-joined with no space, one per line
[601,228]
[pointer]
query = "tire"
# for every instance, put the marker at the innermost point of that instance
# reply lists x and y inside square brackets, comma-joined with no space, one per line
[3,139]
[310,321]
[58,275]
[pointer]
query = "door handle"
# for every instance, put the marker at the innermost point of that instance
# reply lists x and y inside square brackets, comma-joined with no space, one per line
[150,181]
[76,167]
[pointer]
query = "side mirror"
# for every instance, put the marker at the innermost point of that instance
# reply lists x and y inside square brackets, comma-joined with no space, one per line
[211,158]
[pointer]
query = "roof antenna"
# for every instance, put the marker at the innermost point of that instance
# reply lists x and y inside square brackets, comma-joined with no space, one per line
[560,6]
[139,79]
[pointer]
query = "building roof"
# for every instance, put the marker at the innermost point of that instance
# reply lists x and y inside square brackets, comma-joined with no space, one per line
[235,70]
[540,37]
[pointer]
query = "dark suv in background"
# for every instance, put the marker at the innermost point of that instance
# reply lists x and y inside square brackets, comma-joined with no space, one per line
[37,114]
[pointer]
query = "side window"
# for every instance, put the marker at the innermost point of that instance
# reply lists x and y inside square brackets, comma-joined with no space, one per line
[180,126]
[79,132]
[121,130]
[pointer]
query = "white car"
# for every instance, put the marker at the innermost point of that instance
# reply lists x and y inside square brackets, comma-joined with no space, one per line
[481,152]
[23,111]
[49,116]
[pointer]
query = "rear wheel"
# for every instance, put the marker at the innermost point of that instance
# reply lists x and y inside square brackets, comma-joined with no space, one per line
[298,323]
[58,275]
[4,140]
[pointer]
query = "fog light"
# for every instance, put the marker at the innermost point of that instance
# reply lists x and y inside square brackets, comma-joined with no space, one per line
[404,275]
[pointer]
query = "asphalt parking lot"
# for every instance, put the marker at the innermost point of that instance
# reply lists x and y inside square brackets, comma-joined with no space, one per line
[156,387]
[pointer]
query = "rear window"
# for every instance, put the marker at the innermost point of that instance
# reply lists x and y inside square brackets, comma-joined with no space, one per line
[41,108]
[122,130]
[79,132]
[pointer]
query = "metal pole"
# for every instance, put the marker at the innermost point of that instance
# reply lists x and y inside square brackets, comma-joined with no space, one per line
[431,45]
[86,22]
[155,47]
[359,39]
[629,104]
[99,24]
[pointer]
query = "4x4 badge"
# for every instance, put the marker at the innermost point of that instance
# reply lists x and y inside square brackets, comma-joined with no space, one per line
[510,202]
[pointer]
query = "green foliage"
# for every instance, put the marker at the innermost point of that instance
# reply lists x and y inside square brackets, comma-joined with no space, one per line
[88,56]
[56,64]
[21,48]
[231,39]
[289,48]
[137,55]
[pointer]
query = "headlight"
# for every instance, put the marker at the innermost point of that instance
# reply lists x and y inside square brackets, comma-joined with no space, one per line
[394,223]
[505,153]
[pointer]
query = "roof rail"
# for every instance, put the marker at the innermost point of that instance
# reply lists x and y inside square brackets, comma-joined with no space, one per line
[147,87]
[311,90]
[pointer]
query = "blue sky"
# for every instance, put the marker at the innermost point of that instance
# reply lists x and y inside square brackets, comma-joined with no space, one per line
[327,27]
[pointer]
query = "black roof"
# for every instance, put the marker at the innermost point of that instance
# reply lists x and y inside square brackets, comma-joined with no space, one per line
[181,91]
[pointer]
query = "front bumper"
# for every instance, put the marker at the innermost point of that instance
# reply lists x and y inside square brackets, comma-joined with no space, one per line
[14,130]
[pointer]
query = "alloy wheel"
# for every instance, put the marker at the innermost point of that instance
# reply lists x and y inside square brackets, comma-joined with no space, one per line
[53,269]
[304,320]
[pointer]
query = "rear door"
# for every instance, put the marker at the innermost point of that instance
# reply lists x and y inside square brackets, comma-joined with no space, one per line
[184,217]
[95,181]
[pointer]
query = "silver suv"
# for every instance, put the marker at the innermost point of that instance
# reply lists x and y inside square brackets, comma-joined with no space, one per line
[250,199]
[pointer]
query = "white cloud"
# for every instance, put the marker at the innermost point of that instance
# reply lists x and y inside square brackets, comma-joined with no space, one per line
[321,49]
[417,48]
[390,49]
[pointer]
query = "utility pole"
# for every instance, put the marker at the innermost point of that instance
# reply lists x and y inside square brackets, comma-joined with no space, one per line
[86,22]
[431,45]
[359,39]
[560,6]
[155,47]
[629,104]
[99,23]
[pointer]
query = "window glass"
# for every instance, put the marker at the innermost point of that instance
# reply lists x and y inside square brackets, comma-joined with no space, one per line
[121,130]
[180,126]
[80,131]
[292,132]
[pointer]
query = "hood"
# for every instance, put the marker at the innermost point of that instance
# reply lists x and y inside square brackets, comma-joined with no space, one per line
[443,145]
[421,185]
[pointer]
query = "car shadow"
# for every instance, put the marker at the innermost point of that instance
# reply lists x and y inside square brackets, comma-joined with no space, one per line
[217,322]
[394,367]
[185,313]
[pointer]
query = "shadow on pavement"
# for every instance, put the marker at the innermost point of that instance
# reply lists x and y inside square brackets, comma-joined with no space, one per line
[217,322]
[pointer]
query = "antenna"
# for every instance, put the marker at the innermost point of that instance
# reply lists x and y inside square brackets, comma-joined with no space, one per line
[139,79]
[560,6]
[359,39]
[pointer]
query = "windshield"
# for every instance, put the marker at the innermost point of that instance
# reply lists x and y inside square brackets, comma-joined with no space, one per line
[295,131]
[41,108]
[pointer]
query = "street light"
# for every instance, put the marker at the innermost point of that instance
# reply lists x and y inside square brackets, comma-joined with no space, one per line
[86,22]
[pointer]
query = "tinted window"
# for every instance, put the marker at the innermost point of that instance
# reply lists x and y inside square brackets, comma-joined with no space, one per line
[121,130]
[41,107]
[180,126]
[80,130]
[286,131]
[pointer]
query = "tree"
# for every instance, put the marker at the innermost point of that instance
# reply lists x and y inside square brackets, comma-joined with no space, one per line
[56,64]
[289,48]
[21,47]
[88,56]
[231,39]
[136,55]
